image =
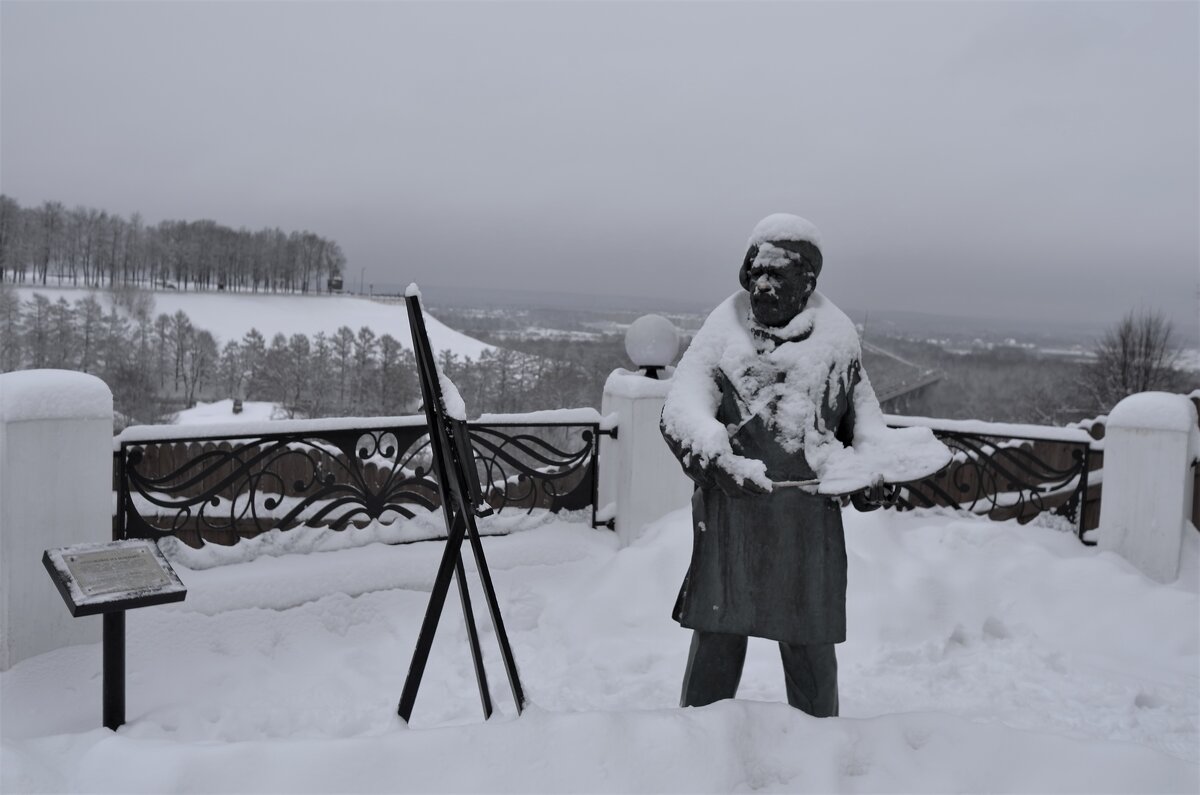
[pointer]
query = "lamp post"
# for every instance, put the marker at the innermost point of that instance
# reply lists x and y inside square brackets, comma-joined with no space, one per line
[361,273]
[652,342]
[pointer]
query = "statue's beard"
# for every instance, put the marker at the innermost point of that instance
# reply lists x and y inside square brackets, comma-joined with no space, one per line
[772,311]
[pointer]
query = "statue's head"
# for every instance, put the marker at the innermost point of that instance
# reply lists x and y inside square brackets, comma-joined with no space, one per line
[781,267]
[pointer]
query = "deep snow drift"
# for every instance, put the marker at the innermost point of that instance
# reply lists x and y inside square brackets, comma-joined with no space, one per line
[982,656]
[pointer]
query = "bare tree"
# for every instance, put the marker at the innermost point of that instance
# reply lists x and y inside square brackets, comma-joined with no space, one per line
[9,231]
[199,364]
[180,337]
[1138,354]
[162,346]
[50,222]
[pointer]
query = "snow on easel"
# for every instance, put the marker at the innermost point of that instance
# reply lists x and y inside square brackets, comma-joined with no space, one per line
[458,485]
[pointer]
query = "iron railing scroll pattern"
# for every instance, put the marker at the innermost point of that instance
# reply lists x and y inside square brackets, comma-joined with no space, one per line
[1006,477]
[222,487]
[548,466]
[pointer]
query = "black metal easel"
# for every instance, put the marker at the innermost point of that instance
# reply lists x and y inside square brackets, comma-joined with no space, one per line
[458,485]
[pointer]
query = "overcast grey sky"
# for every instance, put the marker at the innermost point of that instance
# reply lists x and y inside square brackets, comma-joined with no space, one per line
[1019,159]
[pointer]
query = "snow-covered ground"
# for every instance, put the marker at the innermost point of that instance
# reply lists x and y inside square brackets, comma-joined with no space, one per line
[230,315]
[222,411]
[982,656]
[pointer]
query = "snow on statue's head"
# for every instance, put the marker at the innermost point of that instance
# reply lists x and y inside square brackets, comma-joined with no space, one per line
[781,267]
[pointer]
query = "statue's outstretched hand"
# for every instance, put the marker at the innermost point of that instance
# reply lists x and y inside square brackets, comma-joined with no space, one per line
[734,487]
[877,495]
[708,473]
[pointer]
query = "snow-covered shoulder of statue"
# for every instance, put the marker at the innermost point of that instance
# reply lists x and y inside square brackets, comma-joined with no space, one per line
[690,411]
[794,378]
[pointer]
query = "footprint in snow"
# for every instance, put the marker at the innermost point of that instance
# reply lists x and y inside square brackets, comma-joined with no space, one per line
[1144,700]
[995,628]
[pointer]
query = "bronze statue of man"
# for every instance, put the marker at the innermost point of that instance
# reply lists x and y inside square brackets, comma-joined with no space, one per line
[772,416]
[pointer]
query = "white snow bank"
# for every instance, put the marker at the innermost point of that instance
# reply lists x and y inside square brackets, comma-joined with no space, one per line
[1159,411]
[727,747]
[981,657]
[361,571]
[53,395]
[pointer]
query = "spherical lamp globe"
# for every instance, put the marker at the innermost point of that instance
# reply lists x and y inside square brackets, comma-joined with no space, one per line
[652,342]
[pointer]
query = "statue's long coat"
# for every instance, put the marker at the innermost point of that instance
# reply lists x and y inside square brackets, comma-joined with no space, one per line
[770,566]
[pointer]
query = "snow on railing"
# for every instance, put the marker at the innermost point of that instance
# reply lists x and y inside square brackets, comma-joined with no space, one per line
[1037,433]
[1008,470]
[349,471]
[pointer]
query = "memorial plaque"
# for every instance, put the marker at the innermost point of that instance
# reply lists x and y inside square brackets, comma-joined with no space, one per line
[113,570]
[120,575]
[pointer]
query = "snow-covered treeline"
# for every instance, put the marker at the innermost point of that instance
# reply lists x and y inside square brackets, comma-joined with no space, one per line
[158,362]
[86,247]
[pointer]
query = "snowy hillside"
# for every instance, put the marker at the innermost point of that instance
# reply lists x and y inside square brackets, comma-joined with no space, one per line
[230,315]
[982,657]
[222,411]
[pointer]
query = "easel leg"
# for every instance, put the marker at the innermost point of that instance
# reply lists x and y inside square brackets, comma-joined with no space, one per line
[464,595]
[489,593]
[433,613]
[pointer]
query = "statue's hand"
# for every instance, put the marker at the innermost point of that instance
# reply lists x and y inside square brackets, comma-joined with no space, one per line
[694,466]
[877,495]
[699,470]
[708,473]
[732,486]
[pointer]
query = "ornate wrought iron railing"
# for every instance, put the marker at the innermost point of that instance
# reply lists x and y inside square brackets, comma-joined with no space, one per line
[1005,471]
[232,482]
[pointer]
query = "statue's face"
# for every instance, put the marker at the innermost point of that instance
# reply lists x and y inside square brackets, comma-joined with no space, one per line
[781,283]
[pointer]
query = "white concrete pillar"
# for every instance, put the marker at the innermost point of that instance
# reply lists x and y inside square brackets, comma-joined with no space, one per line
[640,480]
[56,430]
[1150,442]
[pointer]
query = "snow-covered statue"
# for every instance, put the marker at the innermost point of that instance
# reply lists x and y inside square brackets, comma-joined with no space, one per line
[774,419]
